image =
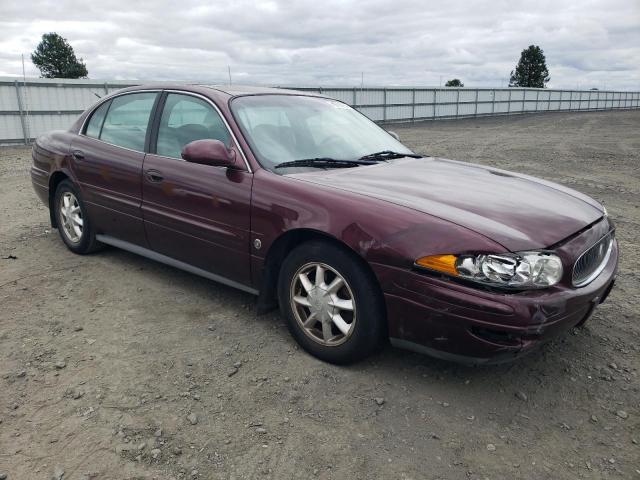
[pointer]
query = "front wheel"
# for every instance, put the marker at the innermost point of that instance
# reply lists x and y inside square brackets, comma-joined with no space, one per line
[331,302]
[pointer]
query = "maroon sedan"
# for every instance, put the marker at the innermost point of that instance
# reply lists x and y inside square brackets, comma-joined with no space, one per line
[305,202]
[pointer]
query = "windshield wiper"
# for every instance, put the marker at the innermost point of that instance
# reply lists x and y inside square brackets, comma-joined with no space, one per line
[325,162]
[387,155]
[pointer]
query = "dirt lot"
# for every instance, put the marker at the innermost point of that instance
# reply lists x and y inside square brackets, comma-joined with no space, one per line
[103,358]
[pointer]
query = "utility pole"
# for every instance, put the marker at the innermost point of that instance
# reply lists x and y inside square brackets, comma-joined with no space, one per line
[229,68]
[26,100]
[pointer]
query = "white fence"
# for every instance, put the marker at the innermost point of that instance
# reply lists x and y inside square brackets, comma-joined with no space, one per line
[32,107]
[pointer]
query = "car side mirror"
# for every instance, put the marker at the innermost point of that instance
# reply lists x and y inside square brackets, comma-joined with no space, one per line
[209,152]
[394,135]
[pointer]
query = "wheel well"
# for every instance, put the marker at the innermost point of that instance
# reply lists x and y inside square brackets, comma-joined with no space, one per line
[268,299]
[54,181]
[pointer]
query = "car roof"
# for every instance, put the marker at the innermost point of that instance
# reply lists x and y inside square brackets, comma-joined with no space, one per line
[222,90]
[237,90]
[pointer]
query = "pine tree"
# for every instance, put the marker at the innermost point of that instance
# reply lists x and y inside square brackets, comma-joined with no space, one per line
[55,58]
[531,70]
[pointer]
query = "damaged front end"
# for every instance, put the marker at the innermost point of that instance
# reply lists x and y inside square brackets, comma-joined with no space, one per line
[455,320]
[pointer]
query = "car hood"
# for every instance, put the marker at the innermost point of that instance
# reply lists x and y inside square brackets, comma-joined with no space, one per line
[518,211]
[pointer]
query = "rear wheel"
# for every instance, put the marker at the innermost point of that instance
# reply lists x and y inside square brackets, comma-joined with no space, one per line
[73,222]
[332,304]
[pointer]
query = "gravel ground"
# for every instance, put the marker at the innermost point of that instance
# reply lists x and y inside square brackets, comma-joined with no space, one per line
[116,367]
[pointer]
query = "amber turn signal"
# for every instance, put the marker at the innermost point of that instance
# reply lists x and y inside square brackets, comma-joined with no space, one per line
[440,263]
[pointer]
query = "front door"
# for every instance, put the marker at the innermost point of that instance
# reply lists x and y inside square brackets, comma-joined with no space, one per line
[108,157]
[197,214]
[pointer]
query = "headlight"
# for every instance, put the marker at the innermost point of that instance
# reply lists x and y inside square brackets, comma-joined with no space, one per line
[519,270]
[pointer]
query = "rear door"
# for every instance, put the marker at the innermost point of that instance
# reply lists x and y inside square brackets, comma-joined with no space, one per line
[198,214]
[108,157]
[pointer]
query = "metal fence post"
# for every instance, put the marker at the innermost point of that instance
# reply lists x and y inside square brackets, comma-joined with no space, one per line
[537,98]
[413,105]
[457,101]
[509,103]
[475,112]
[579,101]
[106,88]
[384,108]
[524,95]
[493,101]
[434,103]
[21,110]
[571,109]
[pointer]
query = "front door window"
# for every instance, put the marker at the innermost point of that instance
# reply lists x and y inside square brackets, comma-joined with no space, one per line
[185,119]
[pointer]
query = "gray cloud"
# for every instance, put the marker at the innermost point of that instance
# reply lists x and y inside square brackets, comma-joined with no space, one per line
[401,42]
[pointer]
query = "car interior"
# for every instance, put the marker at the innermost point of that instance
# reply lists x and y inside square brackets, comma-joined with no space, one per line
[174,133]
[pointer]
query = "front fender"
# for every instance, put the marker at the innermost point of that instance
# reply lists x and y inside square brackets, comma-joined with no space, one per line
[377,231]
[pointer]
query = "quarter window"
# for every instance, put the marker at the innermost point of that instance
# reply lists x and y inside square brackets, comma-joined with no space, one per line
[127,120]
[185,119]
[95,122]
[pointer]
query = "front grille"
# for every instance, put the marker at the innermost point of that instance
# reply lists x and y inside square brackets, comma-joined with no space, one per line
[592,262]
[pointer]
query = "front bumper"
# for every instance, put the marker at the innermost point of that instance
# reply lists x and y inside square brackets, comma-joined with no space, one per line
[448,320]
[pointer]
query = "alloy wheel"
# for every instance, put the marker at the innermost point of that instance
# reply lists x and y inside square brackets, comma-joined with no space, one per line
[71,217]
[323,304]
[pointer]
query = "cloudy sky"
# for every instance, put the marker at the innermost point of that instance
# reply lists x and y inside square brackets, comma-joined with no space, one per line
[588,43]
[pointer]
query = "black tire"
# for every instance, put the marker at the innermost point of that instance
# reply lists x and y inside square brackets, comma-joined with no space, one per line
[87,242]
[369,329]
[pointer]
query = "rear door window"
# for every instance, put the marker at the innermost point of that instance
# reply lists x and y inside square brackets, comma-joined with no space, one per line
[127,120]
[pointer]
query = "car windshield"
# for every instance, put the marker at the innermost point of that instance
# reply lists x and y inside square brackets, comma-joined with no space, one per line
[286,128]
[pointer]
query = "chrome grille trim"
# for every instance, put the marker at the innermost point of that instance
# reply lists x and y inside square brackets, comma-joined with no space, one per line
[591,263]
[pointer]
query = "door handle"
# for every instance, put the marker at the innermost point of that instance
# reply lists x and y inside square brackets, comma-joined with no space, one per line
[77,155]
[154,176]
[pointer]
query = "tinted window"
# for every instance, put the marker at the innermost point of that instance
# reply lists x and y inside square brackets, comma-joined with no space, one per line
[127,120]
[95,122]
[185,119]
